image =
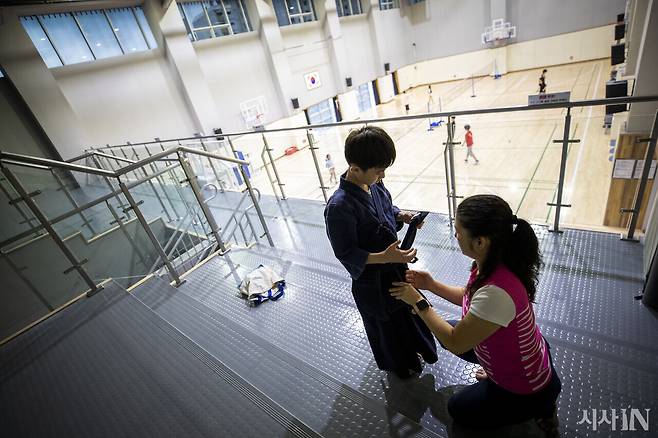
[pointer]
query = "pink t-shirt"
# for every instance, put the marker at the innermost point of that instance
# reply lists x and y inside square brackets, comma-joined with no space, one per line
[515,357]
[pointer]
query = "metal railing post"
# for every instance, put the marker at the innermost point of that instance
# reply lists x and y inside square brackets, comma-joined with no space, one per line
[253,198]
[642,184]
[36,211]
[311,146]
[448,189]
[563,167]
[149,232]
[267,171]
[191,179]
[268,149]
[452,190]
[212,166]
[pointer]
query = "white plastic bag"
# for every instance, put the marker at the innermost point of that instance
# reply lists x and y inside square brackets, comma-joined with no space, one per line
[262,284]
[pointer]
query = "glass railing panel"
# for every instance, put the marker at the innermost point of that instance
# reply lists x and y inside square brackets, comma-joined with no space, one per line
[15,217]
[37,279]
[513,156]
[180,227]
[122,251]
[603,170]
[294,163]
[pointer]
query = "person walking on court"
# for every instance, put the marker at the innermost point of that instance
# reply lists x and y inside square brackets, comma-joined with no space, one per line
[468,139]
[542,81]
[329,164]
[498,328]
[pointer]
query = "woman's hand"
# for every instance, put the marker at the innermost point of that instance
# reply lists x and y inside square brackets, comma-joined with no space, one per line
[405,292]
[393,254]
[419,279]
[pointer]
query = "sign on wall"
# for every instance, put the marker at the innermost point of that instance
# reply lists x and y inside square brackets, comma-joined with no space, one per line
[544,98]
[312,80]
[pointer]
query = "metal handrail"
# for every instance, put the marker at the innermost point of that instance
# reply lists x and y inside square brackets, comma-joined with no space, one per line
[574,104]
[18,159]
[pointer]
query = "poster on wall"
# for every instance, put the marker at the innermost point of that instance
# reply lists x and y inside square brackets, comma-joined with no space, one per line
[312,80]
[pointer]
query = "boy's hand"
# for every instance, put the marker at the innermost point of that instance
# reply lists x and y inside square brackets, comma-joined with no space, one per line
[393,254]
[406,216]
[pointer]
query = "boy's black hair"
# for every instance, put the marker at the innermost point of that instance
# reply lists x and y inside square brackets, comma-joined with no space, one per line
[544,71]
[467,126]
[369,147]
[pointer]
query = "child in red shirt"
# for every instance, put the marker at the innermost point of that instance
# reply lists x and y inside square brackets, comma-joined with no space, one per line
[468,139]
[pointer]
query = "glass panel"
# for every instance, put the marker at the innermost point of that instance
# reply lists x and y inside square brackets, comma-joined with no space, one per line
[51,199]
[216,13]
[182,229]
[356,7]
[146,29]
[196,15]
[365,97]
[15,218]
[97,30]
[127,30]
[40,41]
[122,252]
[238,16]
[293,7]
[203,34]
[306,5]
[66,37]
[322,112]
[281,10]
[34,283]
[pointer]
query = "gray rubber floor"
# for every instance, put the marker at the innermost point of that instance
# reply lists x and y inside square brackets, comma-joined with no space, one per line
[196,361]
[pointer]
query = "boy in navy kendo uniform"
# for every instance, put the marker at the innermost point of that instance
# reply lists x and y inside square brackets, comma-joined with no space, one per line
[362,225]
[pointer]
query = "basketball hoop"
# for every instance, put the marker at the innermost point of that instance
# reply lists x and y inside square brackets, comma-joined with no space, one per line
[253,111]
[498,34]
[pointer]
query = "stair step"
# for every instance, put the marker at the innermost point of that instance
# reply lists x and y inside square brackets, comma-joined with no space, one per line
[109,365]
[324,403]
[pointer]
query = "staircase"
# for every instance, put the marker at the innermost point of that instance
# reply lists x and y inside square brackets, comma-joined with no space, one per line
[196,361]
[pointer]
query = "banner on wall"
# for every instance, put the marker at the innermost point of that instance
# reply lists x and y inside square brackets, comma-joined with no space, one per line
[312,80]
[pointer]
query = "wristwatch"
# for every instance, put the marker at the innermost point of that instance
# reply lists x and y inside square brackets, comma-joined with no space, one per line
[423,304]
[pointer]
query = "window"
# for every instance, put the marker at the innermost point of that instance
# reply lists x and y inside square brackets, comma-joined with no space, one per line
[388,4]
[294,11]
[211,19]
[73,37]
[322,112]
[364,99]
[348,7]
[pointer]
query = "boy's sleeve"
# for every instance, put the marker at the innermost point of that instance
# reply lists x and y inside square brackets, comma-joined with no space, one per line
[341,230]
[398,224]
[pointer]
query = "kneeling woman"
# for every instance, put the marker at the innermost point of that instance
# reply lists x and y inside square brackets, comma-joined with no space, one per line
[497,329]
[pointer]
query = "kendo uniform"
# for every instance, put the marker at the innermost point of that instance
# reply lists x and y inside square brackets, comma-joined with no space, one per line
[358,224]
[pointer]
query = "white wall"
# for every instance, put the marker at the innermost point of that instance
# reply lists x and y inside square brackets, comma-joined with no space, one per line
[256,81]
[307,51]
[385,88]
[178,90]
[360,57]
[562,49]
[127,98]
